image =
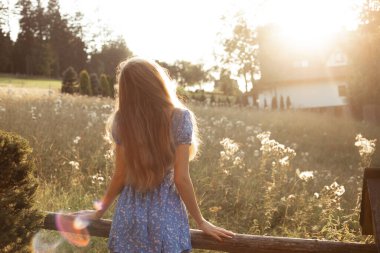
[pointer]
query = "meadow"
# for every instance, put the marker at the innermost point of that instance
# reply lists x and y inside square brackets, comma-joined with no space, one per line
[287,173]
[21,81]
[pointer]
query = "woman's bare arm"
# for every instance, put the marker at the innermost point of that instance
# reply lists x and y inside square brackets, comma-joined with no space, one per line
[117,182]
[185,189]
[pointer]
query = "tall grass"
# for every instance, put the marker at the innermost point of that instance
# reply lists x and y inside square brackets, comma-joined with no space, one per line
[302,179]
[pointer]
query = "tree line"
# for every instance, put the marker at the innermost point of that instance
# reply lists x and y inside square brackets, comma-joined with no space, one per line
[49,42]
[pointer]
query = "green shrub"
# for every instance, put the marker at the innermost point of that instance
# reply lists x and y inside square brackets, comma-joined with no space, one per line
[95,85]
[84,83]
[19,220]
[105,86]
[69,81]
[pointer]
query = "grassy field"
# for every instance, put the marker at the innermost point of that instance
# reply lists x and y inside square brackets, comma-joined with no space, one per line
[303,179]
[28,82]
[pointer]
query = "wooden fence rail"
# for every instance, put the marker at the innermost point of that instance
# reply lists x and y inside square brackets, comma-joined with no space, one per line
[242,243]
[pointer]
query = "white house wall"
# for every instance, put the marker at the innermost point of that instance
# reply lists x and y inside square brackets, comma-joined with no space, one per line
[306,95]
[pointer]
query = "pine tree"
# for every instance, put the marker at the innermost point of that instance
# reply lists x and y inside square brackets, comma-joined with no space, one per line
[105,85]
[274,103]
[6,47]
[288,103]
[84,83]
[111,82]
[282,103]
[19,219]
[69,81]
[95,85]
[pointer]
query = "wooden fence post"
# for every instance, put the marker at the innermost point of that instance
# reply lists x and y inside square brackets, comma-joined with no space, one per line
[370,206]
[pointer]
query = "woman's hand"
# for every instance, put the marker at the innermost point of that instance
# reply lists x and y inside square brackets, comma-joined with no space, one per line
[216,232]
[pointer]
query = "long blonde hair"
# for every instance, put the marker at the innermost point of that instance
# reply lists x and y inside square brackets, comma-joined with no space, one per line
[142,122]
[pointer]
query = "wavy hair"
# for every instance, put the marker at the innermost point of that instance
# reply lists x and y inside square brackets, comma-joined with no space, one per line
[142,121]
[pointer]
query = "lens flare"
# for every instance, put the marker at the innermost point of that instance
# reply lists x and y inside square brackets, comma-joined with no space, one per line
[74,227]
[44,242]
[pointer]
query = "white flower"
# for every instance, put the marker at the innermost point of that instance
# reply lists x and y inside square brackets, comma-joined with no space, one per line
[306,175]
[366,147]
[76,140]
[316,195]
[284,161]
[340,190]
[74,164]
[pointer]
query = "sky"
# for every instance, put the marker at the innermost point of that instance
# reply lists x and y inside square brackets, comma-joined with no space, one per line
[170,30]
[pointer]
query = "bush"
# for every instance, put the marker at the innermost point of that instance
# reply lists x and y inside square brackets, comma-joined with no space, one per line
[105,86]
[19,220]
[84,83]
[95,85]
[274,103]
[111,82]
[69,81]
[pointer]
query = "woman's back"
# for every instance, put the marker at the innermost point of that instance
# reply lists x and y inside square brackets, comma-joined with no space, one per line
[155,221]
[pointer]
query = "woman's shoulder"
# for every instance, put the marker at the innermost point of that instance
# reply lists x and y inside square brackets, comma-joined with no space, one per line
[182,126]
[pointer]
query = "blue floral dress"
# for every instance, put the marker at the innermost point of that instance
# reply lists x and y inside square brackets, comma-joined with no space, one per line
[157,221]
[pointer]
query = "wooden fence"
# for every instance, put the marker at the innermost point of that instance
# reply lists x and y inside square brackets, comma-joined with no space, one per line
[242,243]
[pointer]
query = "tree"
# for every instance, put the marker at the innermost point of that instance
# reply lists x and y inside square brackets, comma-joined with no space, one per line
[364,50]
[95,85]
[191,74]
[6,47]
[111,81]
[274,103]
[288,103]
[172,69]
[282,103]
[84,83]
[241,51]
[105,85]
[25,39]
[69,81]
[65,38]
[227,85]
[109,57]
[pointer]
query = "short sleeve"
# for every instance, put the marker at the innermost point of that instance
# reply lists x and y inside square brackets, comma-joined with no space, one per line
[185,128]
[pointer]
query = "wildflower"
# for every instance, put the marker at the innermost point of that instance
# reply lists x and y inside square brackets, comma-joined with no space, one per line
[366,147]
[76,140]
[215,209]
[340,190]
[74,164]
[316,195]
[284,161]
[230,146]
[97,178]
[109,154]
[306,175]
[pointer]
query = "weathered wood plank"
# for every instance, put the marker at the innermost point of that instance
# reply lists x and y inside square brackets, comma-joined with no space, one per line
[244,243]
[374,198]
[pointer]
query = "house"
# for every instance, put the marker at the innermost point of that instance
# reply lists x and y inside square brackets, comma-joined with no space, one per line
[302,77]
